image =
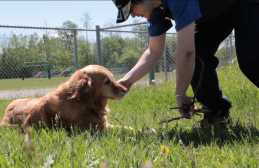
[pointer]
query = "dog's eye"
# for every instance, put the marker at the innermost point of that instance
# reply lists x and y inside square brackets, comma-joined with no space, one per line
[108,81]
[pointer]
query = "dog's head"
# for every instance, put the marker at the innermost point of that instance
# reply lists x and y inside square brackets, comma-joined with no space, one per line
[94,83]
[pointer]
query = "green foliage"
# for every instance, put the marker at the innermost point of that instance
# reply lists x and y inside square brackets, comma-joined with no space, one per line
[142,108]
[223,54]
[118,52]
[57,48]
[170,49]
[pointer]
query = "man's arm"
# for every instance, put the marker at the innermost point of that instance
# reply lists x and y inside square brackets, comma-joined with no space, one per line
[185,62]
[147,61]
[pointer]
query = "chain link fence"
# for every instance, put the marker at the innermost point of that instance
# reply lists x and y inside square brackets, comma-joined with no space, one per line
[45,57]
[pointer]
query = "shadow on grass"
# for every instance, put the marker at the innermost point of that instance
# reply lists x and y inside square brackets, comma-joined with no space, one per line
[218,134]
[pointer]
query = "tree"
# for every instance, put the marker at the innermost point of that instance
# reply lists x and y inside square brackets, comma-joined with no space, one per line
[86,52]
[109,46]
[170,49]
[67,36]
[86,20]
[14,54]
[223,53]
[142,36]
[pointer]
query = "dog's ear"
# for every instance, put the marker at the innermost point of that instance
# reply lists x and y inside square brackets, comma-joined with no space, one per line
[81,90]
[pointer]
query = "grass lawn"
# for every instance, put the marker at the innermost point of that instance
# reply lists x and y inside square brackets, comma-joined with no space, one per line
[176,144]
[31,83]
[35,83]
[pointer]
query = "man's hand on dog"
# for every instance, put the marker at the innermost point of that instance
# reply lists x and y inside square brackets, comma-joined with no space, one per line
[124,83]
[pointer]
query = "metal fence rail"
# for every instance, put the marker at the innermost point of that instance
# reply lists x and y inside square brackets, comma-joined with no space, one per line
[117,48]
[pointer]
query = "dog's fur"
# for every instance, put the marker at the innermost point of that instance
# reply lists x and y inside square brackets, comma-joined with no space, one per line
[80,102]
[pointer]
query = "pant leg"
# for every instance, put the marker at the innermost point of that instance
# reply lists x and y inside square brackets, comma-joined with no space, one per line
[247,40]
[208,37]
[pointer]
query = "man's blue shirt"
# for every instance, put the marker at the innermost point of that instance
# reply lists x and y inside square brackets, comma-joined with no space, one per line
[183,12]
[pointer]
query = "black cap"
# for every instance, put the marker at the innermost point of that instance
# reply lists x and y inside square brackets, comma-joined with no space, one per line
[124,9]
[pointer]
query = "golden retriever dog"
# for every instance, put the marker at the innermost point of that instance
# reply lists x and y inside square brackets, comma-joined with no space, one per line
[80,102]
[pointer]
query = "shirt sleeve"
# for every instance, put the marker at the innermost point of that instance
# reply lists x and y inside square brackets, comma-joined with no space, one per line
[184,12]
[158,25]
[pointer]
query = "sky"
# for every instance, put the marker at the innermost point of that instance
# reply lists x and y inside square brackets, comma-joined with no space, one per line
[54,13]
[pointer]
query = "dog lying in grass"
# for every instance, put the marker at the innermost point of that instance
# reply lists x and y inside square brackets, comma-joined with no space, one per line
[80,102]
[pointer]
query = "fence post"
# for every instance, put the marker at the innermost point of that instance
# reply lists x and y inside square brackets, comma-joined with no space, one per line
[230,48]
[23,73]
[152,72]
[75,49]
[98,43]
[151,76]
[165,63]
[49,72]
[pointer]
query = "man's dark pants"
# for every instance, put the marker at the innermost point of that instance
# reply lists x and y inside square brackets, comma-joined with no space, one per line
[244,19]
